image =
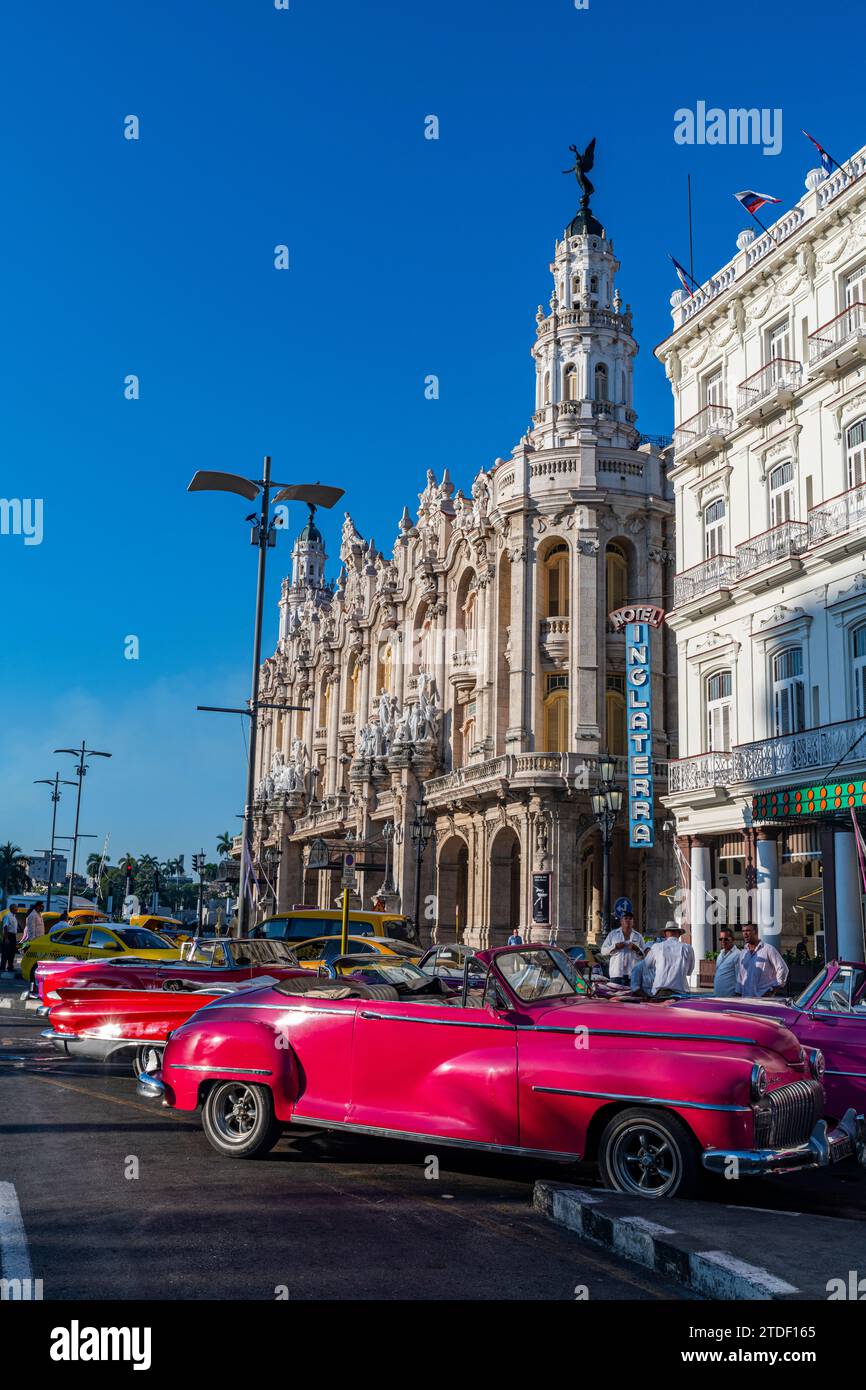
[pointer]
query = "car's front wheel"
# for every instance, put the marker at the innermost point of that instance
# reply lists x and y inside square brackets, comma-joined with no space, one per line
[146,1058]
[239,1119]
[647,1153]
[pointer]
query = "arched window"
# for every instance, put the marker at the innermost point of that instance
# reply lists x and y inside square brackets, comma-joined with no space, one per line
[324,702]
[858,666]
[570,379]
[714,529]
[616,576]
[556,714]
[719,705]
[352,686]
[614,711]
[781,482]
[855,452]
[556,581]
[789,692]
[601,382]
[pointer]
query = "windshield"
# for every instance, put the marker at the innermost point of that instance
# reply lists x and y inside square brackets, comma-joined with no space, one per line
[386,973]
[139,939]
[261,953]
[812,989]
[538,974]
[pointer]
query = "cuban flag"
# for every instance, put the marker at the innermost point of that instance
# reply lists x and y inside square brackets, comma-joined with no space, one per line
[826,159]
[682,275]
[752,201]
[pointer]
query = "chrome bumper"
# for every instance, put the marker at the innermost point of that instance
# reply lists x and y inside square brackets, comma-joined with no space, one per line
[847,1140]
[59,1039]
[150,1085]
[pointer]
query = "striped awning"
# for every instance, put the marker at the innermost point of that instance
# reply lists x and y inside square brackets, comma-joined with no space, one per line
[732,847]
[801,845]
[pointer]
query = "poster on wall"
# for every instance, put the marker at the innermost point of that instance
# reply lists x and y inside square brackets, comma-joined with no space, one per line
[541,900]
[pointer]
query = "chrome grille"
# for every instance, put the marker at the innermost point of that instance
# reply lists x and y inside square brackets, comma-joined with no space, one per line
[791,1115]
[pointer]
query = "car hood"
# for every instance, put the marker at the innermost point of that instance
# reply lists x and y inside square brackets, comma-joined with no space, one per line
[675,1020]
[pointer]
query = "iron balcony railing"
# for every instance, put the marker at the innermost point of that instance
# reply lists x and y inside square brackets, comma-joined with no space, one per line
[719,572]
[712,420]
[780,374]
[836,333]
[781,542]
[784,755]
[838,515]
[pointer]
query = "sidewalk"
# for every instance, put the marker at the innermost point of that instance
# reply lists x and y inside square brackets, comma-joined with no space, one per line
[716,1250]
[15,995]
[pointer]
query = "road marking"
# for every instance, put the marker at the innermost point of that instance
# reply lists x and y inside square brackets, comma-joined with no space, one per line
[767,1211]
[14,1255]
[158,1110]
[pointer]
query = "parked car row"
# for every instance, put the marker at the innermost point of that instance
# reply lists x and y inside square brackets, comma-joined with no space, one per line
[510,1050]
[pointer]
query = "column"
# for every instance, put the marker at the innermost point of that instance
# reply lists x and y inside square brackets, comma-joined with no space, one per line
[848,897]
[701,880]
[768,895]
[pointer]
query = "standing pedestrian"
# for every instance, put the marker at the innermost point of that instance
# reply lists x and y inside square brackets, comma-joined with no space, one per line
[670,961]
[8,941]
[34,926]
[761,969]
[726,980]
[515,939]
[623,946]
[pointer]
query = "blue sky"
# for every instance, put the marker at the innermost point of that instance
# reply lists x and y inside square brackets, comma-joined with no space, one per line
[306,127]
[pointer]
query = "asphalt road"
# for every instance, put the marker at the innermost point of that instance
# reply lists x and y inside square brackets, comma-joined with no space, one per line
[323,1217]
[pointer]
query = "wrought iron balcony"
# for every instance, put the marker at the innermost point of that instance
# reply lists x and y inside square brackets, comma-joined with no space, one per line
[702,432]
[829,746]
[715,574]
[841,341]
[838,515]
[780,543]
[770,387]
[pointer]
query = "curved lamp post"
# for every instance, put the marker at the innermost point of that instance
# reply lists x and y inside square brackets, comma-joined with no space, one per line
[606,803]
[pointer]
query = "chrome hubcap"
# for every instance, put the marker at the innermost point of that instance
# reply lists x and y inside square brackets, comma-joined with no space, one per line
[236,1112]
[645,1161]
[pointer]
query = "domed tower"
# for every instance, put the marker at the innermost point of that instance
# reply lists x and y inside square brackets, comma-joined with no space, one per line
[584,351]
[308,573]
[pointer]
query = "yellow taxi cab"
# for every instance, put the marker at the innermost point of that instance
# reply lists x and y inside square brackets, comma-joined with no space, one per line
[79,916]
[322,951]
[94,942]
[172,927]
[304,923]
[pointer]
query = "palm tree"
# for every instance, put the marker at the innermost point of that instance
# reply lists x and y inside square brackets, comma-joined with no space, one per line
[93,864]
[225,845]
[14,877]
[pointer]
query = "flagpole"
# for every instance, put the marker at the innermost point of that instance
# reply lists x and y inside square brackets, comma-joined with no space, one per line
[691,244]
[764,229]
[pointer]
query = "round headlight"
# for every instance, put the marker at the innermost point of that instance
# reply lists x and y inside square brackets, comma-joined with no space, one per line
[817,1064]
[758,1082]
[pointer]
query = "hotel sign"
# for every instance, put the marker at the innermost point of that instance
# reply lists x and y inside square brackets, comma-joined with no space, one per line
[638,620]
[821,800]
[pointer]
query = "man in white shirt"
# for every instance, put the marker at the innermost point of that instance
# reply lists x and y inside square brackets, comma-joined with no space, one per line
[34,926]
[761,969]
[8,941]
[725,982]
[623,947]
[671,961]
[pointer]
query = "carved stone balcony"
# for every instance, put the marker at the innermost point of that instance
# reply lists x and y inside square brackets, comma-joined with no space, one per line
[832,523]
[463,672]
[773,555]
[829,746]
[553,639]
[709,581]
[840,344]
[770,389]
[702,434]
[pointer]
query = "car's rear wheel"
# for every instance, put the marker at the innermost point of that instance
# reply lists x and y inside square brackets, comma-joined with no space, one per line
[648,1153]
[239,1119]
[146,1058]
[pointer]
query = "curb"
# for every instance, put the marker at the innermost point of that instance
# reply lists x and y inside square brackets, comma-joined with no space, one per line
[716,1274]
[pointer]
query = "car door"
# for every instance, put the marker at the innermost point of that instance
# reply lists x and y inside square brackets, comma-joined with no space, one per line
[436,1069]
[836,1023]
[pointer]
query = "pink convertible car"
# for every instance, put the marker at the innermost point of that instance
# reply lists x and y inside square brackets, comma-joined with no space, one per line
[516,1062]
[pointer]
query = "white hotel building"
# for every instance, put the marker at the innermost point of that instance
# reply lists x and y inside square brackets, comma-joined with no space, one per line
[767,363]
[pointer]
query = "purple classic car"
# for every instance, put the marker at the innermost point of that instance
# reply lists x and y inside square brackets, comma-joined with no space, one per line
[829,1016]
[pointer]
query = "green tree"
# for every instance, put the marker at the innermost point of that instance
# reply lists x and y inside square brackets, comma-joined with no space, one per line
[14,877]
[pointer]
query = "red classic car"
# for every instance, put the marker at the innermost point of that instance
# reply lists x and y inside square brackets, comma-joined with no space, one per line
[205,961]
[830,1015]
[519,1063]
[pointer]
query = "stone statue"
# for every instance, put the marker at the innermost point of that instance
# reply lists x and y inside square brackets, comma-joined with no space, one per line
[425,714]
[581,167]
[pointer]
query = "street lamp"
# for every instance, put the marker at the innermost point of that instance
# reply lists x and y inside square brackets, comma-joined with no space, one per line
[264,535]
[82,754]
[54,782]
[606,802]
[422,829]
[388,837]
